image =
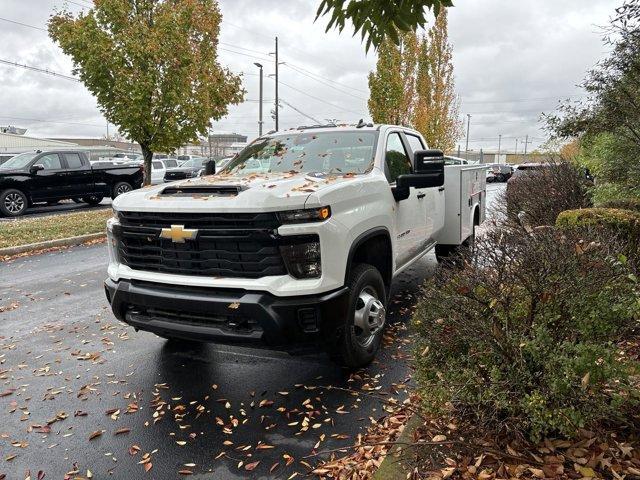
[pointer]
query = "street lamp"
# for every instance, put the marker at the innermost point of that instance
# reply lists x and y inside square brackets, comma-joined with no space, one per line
[260,114]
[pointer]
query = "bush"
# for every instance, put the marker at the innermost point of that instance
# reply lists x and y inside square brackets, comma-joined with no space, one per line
[623,225]
[536,197]
[623,203]
[523,340]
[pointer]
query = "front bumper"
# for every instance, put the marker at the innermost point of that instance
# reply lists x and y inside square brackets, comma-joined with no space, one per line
[228,316]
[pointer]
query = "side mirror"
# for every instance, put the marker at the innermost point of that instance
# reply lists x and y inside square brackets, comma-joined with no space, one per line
[209,167]
[36,168]
[428,161]
[429,172]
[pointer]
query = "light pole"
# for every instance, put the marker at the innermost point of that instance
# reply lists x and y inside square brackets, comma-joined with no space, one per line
[277,99]
[468,124]
[499,146]
[260,114]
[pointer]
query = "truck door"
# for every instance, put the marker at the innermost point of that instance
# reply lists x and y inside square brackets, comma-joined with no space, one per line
[48,183]
[79,177]
[410,220]
[432,203]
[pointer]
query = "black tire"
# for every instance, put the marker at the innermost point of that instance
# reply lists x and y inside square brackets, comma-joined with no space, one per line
[356,347]
[443,252]
[13,203]
[120,188]
[92,200]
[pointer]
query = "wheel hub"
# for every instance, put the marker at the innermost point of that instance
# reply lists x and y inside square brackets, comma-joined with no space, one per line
[14,203]
[369,317]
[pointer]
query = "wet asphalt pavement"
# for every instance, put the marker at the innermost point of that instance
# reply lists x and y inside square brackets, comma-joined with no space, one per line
[67,206]
[81,391]
[65,361]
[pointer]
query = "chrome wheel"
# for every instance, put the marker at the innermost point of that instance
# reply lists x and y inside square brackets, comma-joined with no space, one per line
[14,203]
[123,188]
[369,317]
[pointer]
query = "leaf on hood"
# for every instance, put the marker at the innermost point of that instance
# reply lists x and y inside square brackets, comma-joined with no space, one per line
[96,434]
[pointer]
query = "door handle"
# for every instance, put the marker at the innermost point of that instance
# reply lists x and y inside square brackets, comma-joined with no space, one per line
[421,196]
[441,189]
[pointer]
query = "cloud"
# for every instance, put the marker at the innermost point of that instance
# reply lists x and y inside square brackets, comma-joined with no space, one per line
[513,60]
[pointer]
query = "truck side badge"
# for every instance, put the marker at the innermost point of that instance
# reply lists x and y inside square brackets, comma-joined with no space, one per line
[178,234]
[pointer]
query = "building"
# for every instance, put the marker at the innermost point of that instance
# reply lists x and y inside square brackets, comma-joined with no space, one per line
[13,143]
[103,142]
[218,145]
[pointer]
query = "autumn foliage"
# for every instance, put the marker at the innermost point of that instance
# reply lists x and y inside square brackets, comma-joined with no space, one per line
[152,66]
[527,340]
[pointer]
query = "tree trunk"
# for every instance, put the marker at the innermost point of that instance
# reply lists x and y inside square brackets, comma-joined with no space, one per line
[148,156]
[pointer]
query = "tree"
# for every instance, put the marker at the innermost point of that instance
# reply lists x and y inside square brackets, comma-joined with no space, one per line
[152,66]
[380,20]
[437,111]
[392,85]
[607,121]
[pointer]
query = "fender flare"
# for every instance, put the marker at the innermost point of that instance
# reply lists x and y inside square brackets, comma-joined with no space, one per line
[360,239]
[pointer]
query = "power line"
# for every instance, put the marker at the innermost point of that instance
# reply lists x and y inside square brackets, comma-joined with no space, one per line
[50,121]
[323,82]
[294,66]
[23,24]
[41,70]
[319,99]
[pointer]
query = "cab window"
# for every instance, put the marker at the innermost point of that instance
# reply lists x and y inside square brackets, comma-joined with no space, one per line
[73,160]
[396,159]
[415,143]
[50,161]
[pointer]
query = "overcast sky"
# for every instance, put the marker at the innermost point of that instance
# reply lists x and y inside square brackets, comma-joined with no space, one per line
[512,60]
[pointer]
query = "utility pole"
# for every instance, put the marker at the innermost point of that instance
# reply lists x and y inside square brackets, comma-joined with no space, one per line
[277,99]
[526,144]
[468,124]
[499,145]
[516,146]
[260,114]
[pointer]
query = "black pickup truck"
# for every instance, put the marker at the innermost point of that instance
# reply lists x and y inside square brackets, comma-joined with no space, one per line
[51,176]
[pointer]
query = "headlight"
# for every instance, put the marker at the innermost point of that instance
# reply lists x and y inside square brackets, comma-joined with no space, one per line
[113,233]
[303,259]
[307,215]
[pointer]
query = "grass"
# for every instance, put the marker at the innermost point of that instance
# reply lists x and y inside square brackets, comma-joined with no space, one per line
[34,230]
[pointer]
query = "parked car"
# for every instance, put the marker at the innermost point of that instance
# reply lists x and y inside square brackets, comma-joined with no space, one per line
[185,158]
[188,169]
[501,172]
[170,162]
[158,171]
[449,160]
[302,253]
[59,175]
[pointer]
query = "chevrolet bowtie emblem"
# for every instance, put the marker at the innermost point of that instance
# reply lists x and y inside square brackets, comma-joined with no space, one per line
[178,234]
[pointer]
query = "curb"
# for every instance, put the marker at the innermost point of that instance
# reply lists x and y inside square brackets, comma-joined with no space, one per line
[391,466]
[61,242]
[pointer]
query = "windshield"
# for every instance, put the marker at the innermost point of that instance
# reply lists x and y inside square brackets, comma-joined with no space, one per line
[307,152]
[183,157]
[18,162]
[195,163]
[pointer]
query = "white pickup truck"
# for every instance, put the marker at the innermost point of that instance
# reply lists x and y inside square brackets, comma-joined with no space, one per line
[294,243]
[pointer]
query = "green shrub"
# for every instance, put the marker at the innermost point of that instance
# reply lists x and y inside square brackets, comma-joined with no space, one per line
[623,203]
[624,225]
[524,339]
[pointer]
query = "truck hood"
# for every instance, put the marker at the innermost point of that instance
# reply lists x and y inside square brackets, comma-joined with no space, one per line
[223,192]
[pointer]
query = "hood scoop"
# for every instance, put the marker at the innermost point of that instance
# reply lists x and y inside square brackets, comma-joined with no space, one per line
[203,190]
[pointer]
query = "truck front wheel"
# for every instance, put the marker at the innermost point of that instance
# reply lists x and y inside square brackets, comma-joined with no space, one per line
[359,337]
